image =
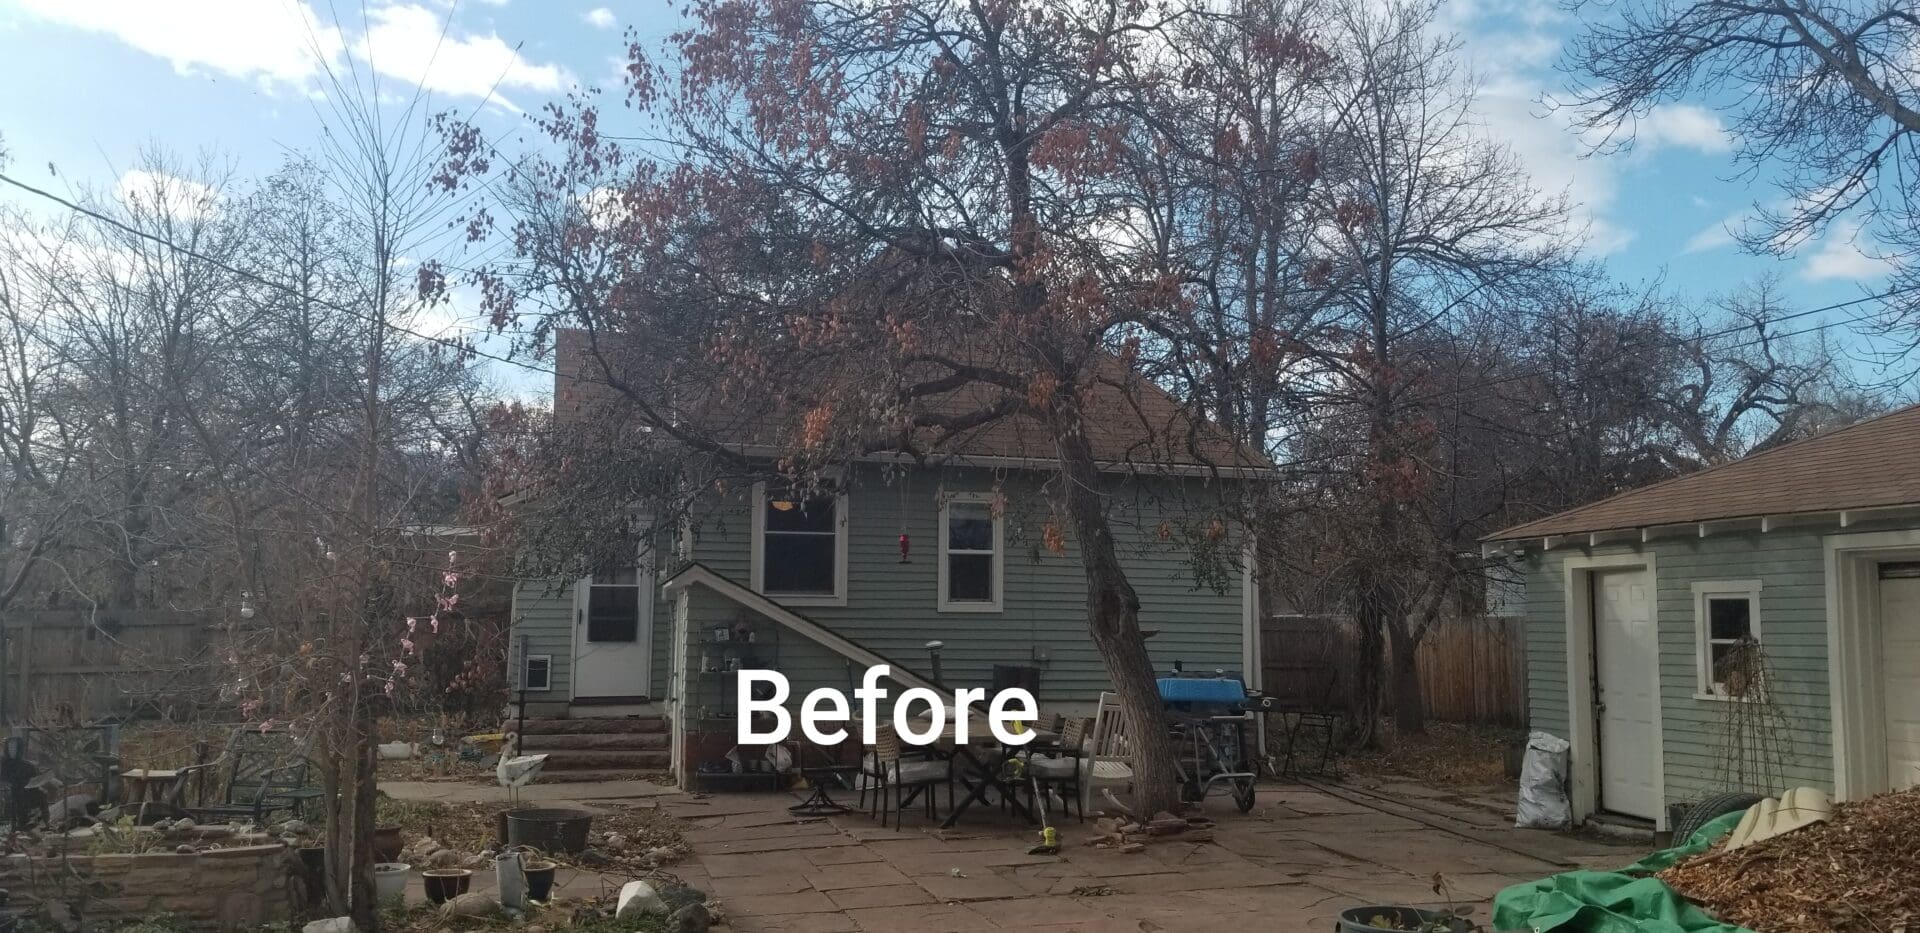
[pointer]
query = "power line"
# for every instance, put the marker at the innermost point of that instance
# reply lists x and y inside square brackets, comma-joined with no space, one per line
[474,351]
[454,345]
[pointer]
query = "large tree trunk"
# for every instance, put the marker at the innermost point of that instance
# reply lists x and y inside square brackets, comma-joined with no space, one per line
[365,908]
[1113,614]
[1409,711]
[1365,685]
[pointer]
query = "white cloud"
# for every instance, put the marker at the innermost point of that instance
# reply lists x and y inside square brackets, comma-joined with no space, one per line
[1840,256]
[604,207]
[273,41]
[180,198]
[413,43]
[1717,236]
[1683,126]
[1511,45]
[1552,156]
[600,18]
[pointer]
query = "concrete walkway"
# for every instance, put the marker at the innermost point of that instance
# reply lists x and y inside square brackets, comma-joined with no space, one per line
[1303,855]
[461,791]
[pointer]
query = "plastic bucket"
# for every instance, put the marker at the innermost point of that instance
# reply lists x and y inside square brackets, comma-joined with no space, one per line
[390,880]
[549,830]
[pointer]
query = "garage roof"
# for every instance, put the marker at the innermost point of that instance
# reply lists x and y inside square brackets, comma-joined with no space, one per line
[1870,464]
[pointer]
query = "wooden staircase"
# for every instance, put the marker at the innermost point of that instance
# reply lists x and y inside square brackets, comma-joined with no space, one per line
[595,749]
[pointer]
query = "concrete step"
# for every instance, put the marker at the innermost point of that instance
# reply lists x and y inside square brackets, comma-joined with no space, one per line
[592,726]
[592,741]
[590,760]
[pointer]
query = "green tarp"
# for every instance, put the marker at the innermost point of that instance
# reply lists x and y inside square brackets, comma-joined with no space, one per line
[1629,900]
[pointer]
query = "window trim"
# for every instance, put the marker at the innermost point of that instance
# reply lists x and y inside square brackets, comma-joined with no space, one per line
[526,672]
[759,547]
[640,586]
[998,513]
[1703,686]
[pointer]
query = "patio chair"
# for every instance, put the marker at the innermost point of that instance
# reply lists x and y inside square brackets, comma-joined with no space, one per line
[266,772]
[1057,768]
[1109,757]
[1316,715]
[910,777]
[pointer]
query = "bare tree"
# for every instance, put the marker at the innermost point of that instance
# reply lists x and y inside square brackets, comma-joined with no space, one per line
[856,209]
[1749,385]
[1824,99]
[212,397]
[1428,220]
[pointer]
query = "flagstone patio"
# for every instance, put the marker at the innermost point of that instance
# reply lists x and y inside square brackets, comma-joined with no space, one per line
[1304,854]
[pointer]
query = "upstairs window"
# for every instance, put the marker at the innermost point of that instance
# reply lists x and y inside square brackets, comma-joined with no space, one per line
[1727,632]
[800,547]
[970,554]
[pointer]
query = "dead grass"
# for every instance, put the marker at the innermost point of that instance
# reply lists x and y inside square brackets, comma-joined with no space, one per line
[470,827]
[162,744]
[1858,872]
[1452,754]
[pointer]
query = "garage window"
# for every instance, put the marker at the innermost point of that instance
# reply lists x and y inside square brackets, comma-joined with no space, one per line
[1727,638]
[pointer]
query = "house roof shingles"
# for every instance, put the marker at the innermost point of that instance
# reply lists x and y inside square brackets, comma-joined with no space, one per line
[1871,464]
[1140,425]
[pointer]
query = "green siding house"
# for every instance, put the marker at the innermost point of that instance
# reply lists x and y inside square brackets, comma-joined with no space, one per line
[900,554]
[1750,627]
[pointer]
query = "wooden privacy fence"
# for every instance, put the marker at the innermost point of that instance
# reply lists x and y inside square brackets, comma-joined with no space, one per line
[81,665]
[1471,670]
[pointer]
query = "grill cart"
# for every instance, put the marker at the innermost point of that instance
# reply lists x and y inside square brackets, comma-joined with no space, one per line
[1211,724]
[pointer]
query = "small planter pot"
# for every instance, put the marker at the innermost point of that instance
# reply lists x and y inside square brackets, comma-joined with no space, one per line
[539,880]
[390,881]
[388,843]
[445,884]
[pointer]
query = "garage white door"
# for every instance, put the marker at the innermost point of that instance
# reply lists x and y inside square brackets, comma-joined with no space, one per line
[1625,646]
[1900,659]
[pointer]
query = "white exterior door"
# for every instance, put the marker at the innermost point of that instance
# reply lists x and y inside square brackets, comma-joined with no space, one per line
[1900,662]
[1625,647]
[613,635]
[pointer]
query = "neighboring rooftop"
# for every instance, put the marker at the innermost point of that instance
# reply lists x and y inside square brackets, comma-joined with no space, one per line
[1870,464]
[1141,425]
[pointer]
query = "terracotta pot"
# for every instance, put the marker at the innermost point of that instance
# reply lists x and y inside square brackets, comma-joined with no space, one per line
[388,843]
[445,884]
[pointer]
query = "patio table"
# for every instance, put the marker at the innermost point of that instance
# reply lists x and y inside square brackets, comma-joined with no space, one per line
[985,758]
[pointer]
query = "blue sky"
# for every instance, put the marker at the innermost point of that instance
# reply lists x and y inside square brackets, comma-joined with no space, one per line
[90,83]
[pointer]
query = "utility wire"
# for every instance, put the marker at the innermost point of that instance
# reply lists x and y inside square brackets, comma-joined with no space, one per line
[455,345]
[469,349]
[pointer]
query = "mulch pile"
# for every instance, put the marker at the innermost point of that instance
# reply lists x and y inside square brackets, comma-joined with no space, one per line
[1858,872]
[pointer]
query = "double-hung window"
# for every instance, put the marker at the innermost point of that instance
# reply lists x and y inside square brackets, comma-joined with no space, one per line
[970,554]
[800,547]
[1727,638]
